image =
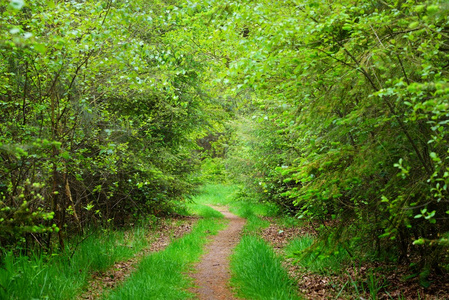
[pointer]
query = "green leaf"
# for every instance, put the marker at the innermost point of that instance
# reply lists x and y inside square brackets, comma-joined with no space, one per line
[17,4]
[413,25]
[420,241]
[65,155]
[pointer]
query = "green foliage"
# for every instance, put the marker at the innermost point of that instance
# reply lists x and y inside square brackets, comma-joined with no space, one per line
[344,114]
[212,170]
[257,272]
[21,218]
[100,109]
[339,113]
[316,260]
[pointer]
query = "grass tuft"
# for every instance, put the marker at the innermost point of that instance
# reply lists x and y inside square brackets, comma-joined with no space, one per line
[258,272]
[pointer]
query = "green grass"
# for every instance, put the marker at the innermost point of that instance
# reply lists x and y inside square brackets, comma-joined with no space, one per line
[313,260]
[258,273]
[253,212]
[162,275]
[63,276]
[220,194]
[227,194]
[204,211]
[216,194]
[246,209]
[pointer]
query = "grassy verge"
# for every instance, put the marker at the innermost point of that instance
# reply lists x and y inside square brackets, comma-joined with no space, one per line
[162,275]
[62,276]
[258,272]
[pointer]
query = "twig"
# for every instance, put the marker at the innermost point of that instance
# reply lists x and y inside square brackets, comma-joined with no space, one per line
[76,246]
[37,240]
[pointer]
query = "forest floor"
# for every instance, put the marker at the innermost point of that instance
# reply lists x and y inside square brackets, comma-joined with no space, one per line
[390,280]
[212,273]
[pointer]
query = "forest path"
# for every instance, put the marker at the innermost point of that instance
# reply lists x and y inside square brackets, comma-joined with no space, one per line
[212,276]
[101,283]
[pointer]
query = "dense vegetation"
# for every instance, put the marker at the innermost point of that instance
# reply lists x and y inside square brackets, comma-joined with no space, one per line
[336,111]
[100,111]
[349,118]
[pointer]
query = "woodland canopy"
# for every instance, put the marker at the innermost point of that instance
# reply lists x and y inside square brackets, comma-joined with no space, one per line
[337,111]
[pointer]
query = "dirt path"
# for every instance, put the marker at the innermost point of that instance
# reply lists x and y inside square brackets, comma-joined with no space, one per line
[212,274]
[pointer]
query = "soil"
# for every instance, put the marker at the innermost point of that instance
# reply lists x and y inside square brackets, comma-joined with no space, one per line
[212,272]
[102,282]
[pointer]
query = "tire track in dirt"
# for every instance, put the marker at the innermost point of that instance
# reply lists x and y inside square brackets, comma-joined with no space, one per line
[213,274]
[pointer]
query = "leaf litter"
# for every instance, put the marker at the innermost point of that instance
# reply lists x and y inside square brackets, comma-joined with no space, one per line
[390,278]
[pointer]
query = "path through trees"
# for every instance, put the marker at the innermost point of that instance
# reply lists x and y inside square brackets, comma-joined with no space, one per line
[213,271]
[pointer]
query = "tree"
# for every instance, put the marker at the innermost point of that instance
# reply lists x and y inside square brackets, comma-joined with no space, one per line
[100,107]
[355,100]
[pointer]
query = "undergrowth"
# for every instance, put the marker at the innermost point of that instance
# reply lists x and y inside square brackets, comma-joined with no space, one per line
[62,276]
[314,256]
[314,260]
